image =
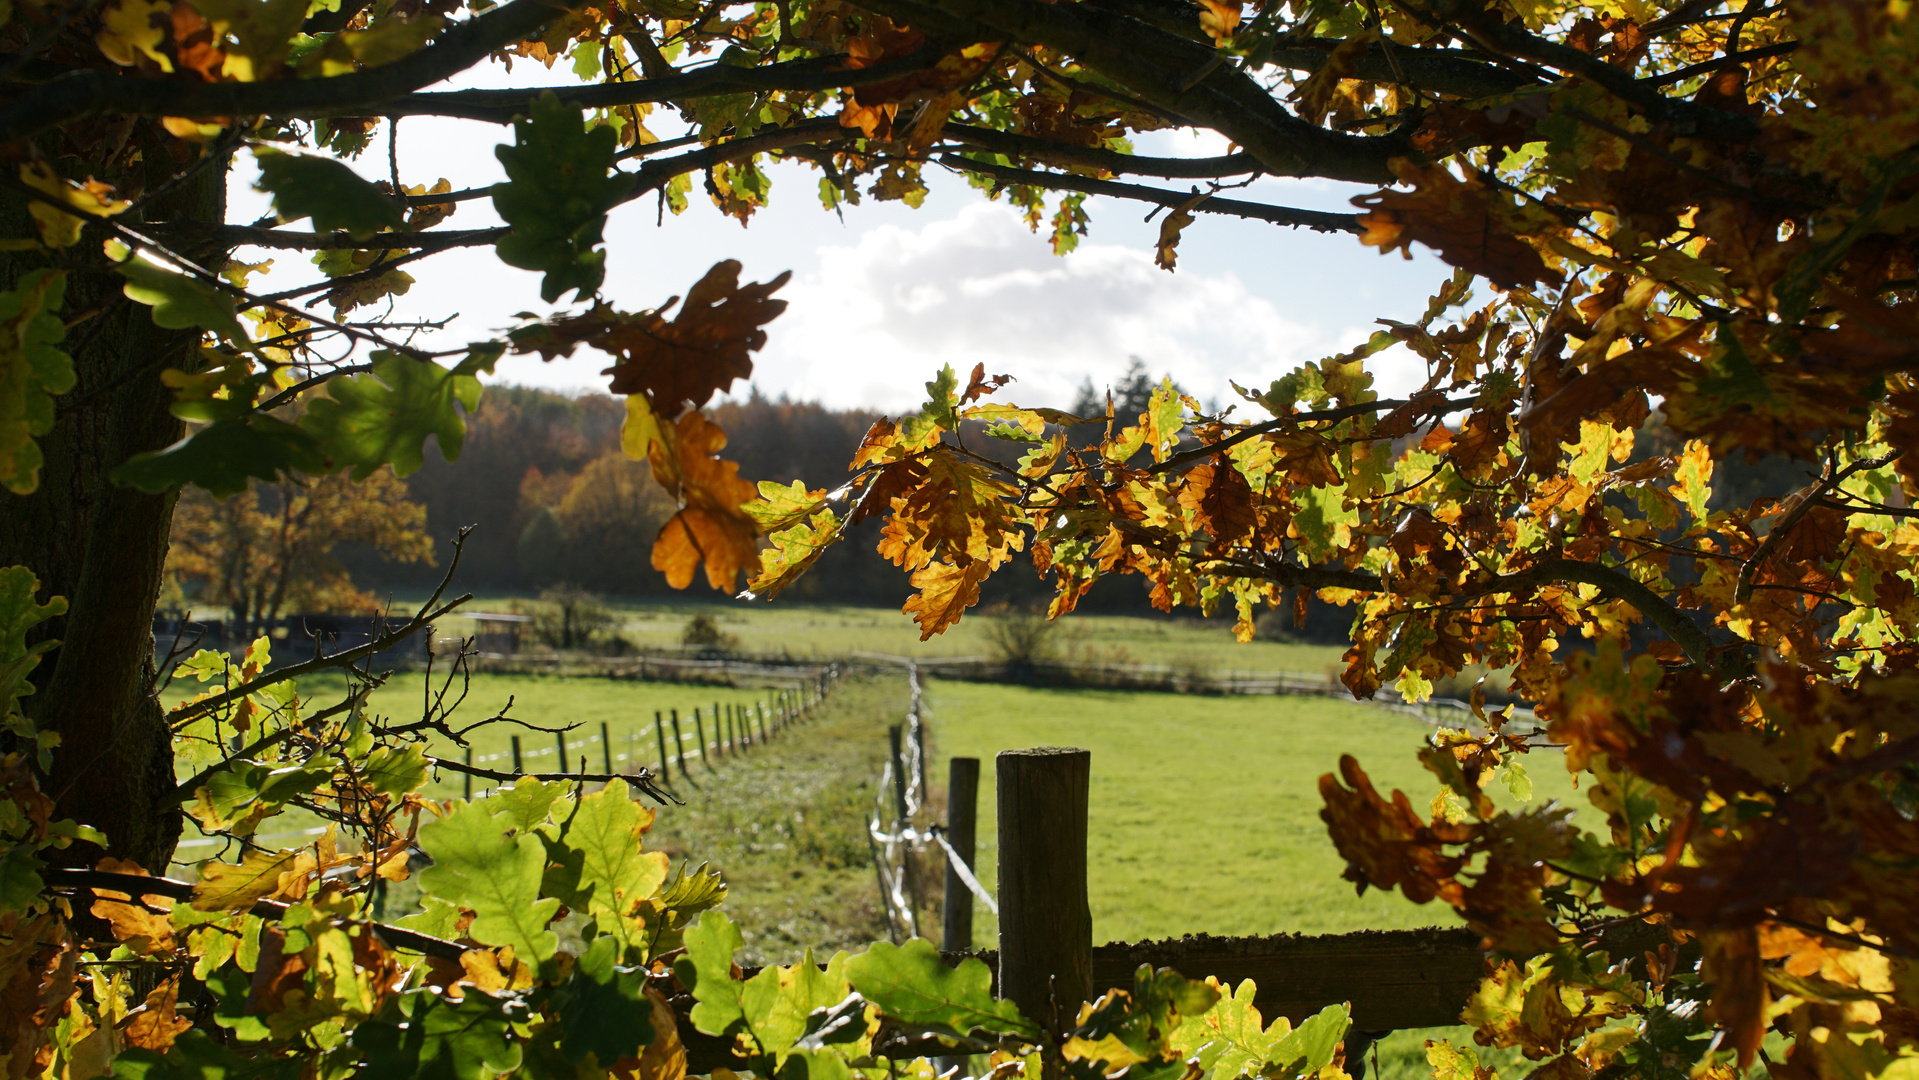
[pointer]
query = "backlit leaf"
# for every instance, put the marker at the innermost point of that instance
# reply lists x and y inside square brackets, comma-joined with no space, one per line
[913,985]
[496,876]
[560,184]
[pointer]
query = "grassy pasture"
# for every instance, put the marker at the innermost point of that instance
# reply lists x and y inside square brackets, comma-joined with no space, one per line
[1205,810]
[808,630]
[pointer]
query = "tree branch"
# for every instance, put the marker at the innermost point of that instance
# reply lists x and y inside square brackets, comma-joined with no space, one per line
[91,92]
[185,789]
[236,235]
[642,778]
[1442,71]
[1506,39]
[1317,220]
[66,877]
[1287,423]
[423,618]
[1159,67]
[1742,591]
[500,106]
[1064,154]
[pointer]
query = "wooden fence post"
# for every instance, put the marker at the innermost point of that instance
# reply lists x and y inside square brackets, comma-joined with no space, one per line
[517,767]
[962,826]
[699,728]
[466,781]
[560,737]
[606,748]
[1045,925]
[760,715]
[679,747]
[899,805]
[666,763]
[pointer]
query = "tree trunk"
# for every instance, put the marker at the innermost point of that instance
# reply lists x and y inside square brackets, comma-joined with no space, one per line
[103,546]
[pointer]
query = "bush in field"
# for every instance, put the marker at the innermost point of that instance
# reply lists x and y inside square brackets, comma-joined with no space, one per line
[703,631]
[571,618]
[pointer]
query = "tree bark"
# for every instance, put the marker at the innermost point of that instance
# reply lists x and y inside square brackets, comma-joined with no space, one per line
[104,546]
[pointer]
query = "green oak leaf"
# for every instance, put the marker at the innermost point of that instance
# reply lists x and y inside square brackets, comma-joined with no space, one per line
[706,970]
[910,983]
[1310,1046]
[180,302]
[326,190]
[1227,1039]
[20,881]
[602,1007]
[614,875]
[385,417]
[496,876]
[940,413]
[425,1036]
[524,806]
[1324,521]
[195,1056]
[438,917]
[806,991]
[394,770]
[32,371]
[19,613]
[680,902]
[224,455]
[560,184]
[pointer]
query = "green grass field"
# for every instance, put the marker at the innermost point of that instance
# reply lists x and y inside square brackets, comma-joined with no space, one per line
[810,630]
[1205,810]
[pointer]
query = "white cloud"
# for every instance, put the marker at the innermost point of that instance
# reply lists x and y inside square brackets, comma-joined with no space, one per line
[879,317]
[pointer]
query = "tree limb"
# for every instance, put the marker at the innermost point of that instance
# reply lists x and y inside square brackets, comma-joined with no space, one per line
[642,778]
[423,618]
[1441,71]
[1159,67]
[1317,220]
[66,877]
[91,92]
[501,106]
[236,235]
[1064,154]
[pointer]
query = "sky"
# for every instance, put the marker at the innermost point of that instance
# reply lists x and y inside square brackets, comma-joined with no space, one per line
[884,296]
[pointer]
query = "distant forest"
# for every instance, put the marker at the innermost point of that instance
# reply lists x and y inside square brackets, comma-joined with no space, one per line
[555,502]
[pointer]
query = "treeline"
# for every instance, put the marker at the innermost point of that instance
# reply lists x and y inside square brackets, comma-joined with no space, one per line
[553,502]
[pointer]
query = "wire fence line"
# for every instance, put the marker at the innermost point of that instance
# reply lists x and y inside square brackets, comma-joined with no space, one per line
[899,833]
[728,730]
[736,727]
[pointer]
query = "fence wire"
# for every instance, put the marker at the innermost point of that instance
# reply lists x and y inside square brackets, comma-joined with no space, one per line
[898,839]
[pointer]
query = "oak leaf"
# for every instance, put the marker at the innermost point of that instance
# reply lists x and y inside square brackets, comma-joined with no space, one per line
[945,592]
[1465,221]
[703,350]
[712,526]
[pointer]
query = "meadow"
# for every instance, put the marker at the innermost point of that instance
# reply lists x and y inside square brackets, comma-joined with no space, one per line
[828,631]
[1204,809]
